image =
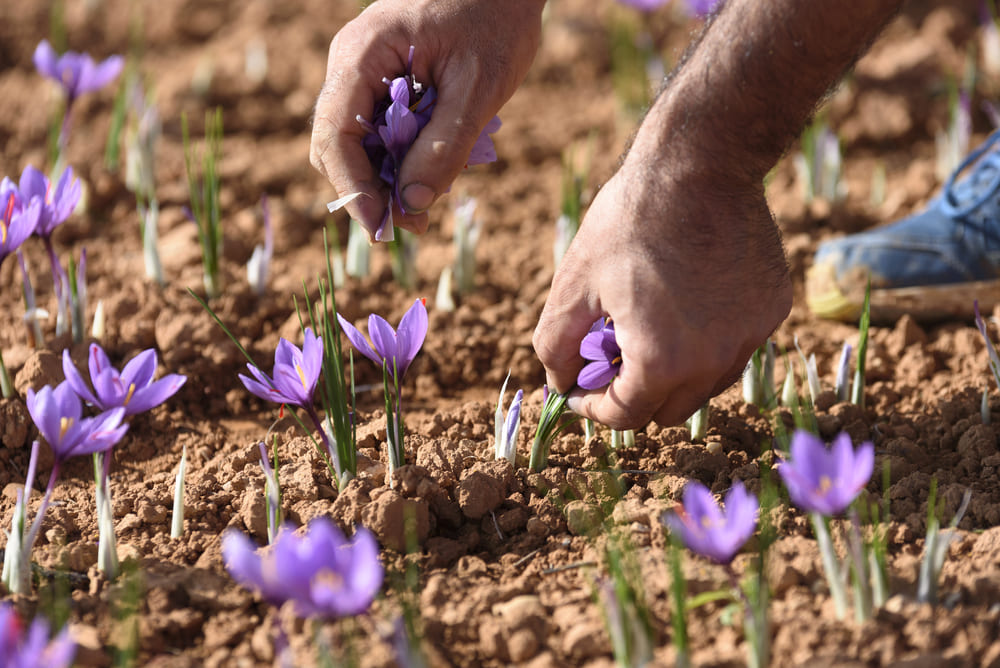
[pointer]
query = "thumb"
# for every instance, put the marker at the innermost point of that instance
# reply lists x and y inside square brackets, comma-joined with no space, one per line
[441,150]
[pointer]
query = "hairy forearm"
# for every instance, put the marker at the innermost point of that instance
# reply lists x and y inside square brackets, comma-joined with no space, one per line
[747,87]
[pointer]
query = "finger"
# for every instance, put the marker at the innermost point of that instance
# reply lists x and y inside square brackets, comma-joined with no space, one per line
[629,402]
[414,223]
[336,149]
[442,148]
[566,318]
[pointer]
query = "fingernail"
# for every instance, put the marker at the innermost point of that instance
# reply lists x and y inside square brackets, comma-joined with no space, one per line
[417,198]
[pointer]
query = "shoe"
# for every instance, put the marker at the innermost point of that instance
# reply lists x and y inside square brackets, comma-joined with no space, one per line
[932,265]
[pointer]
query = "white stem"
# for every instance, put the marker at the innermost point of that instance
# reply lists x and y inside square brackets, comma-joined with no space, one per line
[830,565]
[177,522]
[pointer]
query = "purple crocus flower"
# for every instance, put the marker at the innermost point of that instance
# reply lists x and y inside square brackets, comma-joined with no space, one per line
[392,348]
[644,5]
[33,648]
[826,481]
[320,571]
[77,73]
[397,121]
[603,353]
[16,223]
[133,389]
[58,202]
[57,414]
[708,530]
[295,373]
[701,8]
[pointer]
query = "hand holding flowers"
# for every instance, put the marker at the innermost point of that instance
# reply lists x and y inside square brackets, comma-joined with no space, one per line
[457,44]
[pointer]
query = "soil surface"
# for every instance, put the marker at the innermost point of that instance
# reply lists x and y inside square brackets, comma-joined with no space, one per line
[507,561]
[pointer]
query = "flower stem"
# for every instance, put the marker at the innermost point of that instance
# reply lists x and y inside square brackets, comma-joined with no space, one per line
[548,428]
[755,628]
[830,564]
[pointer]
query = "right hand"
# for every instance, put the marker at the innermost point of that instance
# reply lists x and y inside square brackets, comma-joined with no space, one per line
[690,268]
[474,52]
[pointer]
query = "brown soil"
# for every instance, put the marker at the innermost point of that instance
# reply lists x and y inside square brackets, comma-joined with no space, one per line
[506,571]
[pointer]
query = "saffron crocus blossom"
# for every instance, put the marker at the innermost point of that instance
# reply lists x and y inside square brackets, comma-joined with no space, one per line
[58,200]
[393,349]
[76,73]
[603,353]
[259,265]
[57,414]
[397,121]
[506,428]
[16,223]
[826,481]
[707,529]
[701,8]
[320,571]
[295,373]
[23,650]
[132,389]
[644,5]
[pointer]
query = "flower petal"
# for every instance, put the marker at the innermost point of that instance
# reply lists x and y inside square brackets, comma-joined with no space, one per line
[383,339]
[75,380]
[139,370]
[358,340]
[596,375]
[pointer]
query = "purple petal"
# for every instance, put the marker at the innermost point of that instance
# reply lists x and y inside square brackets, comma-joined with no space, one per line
[33,184]
[154,394]
[75,380]
[109,389]
[46,60]
[513,414]
[483,150]
[102,74]
[399,131]
[139,370]
[592,347]
[239,554]
[596,375]
[411,334]
[65,197]
[312,356]
[358,340]
[261,389]
[97,360]
[43,413]
[864,464]
[383,339]
[808,457]
[286,354]
[399,91]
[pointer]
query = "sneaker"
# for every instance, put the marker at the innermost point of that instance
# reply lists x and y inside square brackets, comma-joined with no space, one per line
[932,265]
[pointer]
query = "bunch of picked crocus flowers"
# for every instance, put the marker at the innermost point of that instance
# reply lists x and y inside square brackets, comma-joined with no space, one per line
[395,124]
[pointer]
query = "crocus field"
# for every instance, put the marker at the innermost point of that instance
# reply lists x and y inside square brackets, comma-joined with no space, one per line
[441,551]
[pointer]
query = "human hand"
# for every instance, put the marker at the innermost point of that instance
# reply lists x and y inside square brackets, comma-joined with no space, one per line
[691,271]
[474,52]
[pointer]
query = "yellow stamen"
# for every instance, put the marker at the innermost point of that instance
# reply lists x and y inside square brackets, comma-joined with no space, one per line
[617,360]
[128,397]
[327,577]
[64,425]
[3,231]
[302,377]
[825,483]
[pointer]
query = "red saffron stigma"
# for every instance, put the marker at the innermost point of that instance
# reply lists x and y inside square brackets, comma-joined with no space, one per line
[10,208]
[281,411]
[423,300]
